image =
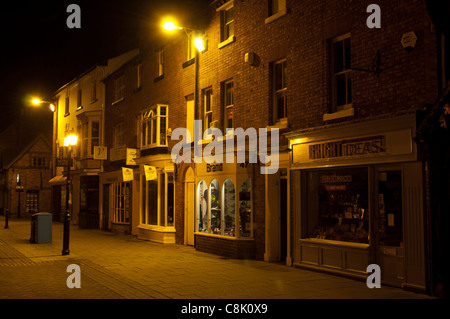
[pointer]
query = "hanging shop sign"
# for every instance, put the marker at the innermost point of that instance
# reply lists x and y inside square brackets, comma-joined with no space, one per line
[127,174]
[150,172]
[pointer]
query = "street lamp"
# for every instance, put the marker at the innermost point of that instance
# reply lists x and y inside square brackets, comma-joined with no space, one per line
[38,102]
[69,141]
[199,43]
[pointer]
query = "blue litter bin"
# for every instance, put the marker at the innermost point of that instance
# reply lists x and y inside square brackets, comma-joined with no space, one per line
[41,228]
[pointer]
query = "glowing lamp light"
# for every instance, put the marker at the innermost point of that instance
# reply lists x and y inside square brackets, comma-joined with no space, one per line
[170,26]
[199,44]
[70,140]
[36,101]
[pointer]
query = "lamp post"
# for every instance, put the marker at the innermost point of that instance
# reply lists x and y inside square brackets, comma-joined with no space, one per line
[200,45]
[69,141]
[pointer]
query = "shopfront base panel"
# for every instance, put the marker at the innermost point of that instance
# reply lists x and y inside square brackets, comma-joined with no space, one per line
[227,247]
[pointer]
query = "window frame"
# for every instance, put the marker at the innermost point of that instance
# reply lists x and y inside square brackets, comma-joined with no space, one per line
[122,214]
[225,36]
[147,120]
[119,89]
[163,212]
[207,102]
[346,72]
[282,91]
[227,105]
[281,10]
[87,139]
[32,201]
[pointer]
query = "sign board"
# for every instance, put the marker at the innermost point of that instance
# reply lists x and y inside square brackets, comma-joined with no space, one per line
[100,152]
[118,153]
[150,172]
[127,174]
[132,154]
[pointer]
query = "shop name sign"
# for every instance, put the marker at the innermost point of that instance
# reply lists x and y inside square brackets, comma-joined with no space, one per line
[353,147]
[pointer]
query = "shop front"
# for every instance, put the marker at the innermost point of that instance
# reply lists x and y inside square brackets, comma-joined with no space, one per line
[223,218]
[357,199]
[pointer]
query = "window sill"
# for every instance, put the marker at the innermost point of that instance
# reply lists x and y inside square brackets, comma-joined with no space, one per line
[79,108]
[339,114]
[276,16]
[188,63]
[226,42]
[158,78]
[67,114]
[222,236]
[333,243]
[280,124]
[160,229]
[117,101]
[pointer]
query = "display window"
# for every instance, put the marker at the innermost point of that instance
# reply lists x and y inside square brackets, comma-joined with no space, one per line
[217,208]
[337,204]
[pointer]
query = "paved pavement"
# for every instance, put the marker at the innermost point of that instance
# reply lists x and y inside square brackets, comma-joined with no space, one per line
[118,266]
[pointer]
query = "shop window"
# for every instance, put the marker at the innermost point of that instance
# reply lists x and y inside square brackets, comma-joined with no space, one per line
[245,209]
[122,203]
[158,201]
[337,205]
[229,204]
[202,207]
[215,207]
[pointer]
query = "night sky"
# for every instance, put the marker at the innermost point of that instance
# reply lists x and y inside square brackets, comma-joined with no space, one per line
[40,53]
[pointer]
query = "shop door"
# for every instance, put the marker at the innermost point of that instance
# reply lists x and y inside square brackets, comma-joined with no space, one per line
[105,210]
[389,221]
[189,207]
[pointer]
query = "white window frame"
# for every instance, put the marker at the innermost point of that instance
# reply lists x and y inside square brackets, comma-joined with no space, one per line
[148,119]
[119,89]
[163,179]
[346,72]
[225,36]
[161,62]
[121,214]
[207,101]
[281,10]
[87,140]
[228,104]
[281,91]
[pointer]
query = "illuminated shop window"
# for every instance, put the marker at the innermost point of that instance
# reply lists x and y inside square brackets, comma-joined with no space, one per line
[217,210]
[202,207]
[158,201]
[228,205]
[337,205]
[245,209]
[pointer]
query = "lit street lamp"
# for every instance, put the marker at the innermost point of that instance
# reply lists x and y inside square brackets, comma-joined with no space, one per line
[38,102]
[69,141]
[171,26]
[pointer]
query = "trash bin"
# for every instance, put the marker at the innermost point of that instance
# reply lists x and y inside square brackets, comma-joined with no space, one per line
[41,228]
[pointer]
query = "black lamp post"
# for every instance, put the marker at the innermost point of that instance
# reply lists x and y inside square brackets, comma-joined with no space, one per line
[69,141]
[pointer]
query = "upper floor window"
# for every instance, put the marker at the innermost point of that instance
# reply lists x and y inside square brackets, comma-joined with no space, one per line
[341,88]
[90,137]
[279,90]
[160,62]
[93,92]
[37,161]
[66,105]
[79,99]
[119,89]
[228,99]
[119,135]
[139,75]
[226,23]
[207,103]
[154,124]
[277,9]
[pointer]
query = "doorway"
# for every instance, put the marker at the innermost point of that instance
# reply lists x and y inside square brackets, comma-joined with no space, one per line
[189,207]
[105,210]
[389,220]
[283,218]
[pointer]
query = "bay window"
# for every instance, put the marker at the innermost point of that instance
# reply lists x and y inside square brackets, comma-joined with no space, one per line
[154,124]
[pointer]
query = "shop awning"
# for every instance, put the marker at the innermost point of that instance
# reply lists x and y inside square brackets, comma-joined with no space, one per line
[58,180]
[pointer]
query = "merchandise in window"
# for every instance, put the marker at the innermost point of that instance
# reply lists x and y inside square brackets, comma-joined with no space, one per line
[337,205]
[245,209]
[228,208]
[202,207]
[122,202]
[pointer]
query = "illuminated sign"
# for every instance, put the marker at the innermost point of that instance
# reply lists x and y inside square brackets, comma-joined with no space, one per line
[353,147]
